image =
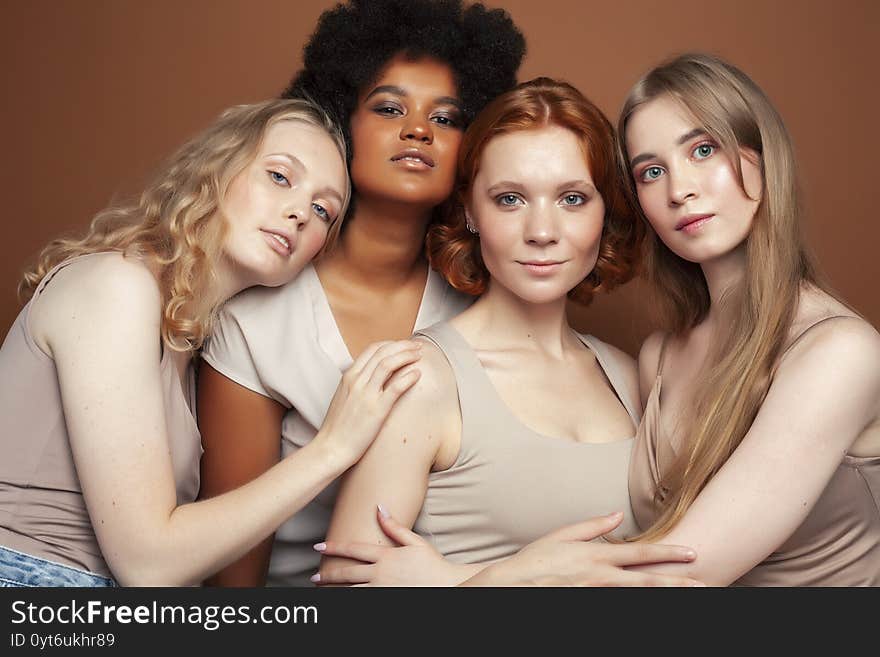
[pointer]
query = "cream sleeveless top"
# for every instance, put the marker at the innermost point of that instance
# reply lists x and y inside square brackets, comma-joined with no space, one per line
[510,485]
[42,510]
[838,544]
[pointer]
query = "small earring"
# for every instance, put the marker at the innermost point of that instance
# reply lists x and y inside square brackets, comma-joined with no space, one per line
[470,225]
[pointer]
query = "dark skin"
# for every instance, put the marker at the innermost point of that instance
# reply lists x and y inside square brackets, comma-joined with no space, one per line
[378,263]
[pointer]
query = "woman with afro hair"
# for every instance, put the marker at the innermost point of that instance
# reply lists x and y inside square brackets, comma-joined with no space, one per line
[403,78]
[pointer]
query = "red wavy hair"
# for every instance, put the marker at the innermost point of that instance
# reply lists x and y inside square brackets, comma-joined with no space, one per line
[455,252]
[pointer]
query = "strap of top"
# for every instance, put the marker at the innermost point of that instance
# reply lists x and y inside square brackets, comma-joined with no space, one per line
[61,265]
[474,385]
[662,353]
[610,366]
[801,335]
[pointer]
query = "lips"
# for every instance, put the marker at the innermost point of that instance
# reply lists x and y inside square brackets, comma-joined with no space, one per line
[415,157]
[281,241]
[693,221]
[541,267]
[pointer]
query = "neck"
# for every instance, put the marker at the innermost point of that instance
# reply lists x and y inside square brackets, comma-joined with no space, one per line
[532,326]
[383,243]
[722,274]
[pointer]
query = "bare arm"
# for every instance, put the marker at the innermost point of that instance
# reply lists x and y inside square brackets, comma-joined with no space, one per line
[394,471]
[241,438]
[103,333]
[824,395]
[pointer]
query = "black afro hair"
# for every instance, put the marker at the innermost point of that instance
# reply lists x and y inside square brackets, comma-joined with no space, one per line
[353,41]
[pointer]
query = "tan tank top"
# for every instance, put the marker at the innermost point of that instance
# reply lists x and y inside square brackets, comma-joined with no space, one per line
[838,544]
[42,510]
[510,485]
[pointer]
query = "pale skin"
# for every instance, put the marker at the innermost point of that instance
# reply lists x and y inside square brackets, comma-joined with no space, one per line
[379,263]
[824,401]
[533,200]
[99,320]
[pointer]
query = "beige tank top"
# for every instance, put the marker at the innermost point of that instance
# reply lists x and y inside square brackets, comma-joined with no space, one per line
[838,544]
[510,485]
[42,510]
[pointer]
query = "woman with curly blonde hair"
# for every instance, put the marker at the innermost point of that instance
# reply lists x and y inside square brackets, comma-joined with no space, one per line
[99,443]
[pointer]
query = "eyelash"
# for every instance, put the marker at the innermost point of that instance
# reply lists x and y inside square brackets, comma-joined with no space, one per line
[322,212]
[444,120]
[581,200]
[281,180]
[642,177]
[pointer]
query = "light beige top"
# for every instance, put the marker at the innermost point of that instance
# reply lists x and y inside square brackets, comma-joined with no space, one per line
[42,510]
[510,485]
[838,544]
[284,343]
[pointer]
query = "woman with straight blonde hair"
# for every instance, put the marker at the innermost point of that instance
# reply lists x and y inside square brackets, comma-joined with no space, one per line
[99,448]
[760,441]
[761,438]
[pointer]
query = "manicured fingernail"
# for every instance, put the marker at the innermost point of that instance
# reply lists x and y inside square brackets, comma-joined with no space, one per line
[316,577]
[690,554]
[616,514]
[320,547]
[699,584]
[382,511]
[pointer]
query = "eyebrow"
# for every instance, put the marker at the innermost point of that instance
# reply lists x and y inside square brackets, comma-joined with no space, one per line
[696,132]
[297,164]
[506,185]
[400,91]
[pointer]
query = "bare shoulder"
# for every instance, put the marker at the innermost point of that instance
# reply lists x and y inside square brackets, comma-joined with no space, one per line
[437,382]
[102,290]
[839,341]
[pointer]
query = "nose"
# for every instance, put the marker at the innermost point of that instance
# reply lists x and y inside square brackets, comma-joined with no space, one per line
[418,128]
[299,212]
[541,227]
[682,186]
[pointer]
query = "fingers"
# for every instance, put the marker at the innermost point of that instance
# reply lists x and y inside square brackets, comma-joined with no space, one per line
[633,554]
[364,357]
[388,360]
[359,574]
[586,530]
[366,552]
[395,531]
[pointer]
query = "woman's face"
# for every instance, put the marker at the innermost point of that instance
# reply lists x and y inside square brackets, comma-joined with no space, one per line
[538,213]
[405,132]
[280,206]
[686,185]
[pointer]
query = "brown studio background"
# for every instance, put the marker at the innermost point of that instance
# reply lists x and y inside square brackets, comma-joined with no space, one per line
[97,92]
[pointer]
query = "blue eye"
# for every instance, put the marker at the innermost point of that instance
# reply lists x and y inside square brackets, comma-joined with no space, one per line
[279,179]
[573,199]
[651,173]
[508,200]
[321,212]
[703,151]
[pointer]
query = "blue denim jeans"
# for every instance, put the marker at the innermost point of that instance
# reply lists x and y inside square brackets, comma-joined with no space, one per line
[19,569]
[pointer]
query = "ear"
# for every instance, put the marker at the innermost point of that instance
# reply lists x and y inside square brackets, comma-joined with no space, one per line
[469,221]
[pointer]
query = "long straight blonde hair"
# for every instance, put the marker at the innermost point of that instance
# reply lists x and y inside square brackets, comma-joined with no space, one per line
[176,222]
[758,312]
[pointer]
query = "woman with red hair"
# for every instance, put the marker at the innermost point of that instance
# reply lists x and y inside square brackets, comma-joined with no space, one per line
[519,424]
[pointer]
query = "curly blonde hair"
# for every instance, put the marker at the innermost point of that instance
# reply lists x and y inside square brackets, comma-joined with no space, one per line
[173,222]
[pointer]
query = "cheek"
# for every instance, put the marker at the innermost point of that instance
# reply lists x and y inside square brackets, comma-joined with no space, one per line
[314,239]
[586,231]
[651,200]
